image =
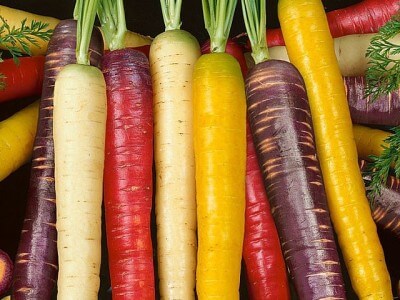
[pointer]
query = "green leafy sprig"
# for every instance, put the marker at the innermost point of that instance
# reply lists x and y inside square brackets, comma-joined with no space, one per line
[383,73]
[18,39]
[218,17]
[380,167]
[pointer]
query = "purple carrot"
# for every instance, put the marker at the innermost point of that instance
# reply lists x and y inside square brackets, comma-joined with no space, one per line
[36,261]
[386,206]
[383,111]
[280,122]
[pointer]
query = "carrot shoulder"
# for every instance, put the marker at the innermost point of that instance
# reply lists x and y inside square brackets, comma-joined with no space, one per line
[310,48]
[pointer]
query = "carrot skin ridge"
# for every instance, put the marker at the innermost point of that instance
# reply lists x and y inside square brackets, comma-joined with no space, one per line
[311,50]
[128,183]
[386,206]
[383,111]
[36,262]
[282,129]
[22,80]
[262,254]
[219,110]
[364,17]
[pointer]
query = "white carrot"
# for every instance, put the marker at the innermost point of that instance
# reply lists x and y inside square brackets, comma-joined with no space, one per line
[79,138]
[173,54]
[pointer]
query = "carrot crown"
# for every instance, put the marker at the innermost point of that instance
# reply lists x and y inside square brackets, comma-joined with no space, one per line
[254,16]
[218,16]
[85,13]
[113,24]
[171,12]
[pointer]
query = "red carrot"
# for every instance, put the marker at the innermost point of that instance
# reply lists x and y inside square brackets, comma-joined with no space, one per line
[36,262]
[385,110]
[21,80]
[262,254]
[128,182]
[364,17]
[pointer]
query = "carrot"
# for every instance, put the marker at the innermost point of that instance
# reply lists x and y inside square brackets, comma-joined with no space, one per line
[128,182]
[369,141]
[173,54]
[6,270]
[21,80]
[366,16]
[385,110]
[280,122]
[385,207]
[36,261]
[79,127]
[16,139]
[310,48]
[350,52]
[15,16]
[219,122]
[233,49]
[265,267]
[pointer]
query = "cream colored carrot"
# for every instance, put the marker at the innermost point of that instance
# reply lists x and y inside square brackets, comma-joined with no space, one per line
[79,127]
[173,54]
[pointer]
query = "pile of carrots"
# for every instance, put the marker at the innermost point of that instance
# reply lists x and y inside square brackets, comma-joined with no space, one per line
[249,166]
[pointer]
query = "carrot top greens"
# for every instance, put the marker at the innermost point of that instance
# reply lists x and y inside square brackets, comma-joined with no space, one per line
[112,20]
[254,15]
[85,13]
[26,34]
[171,12]
[218,17]
[383,73]
[379,169]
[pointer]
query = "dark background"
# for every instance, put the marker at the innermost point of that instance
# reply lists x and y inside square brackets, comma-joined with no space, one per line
[143,16]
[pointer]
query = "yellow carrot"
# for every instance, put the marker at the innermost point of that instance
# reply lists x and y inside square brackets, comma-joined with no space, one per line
[15,16]
[369,141]
[173,54]
[219,122]
[17,134]
[310,48]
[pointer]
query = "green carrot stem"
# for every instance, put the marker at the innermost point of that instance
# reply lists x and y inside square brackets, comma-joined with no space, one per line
[86,12]
[254,15]
[171,12]
[218,17]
